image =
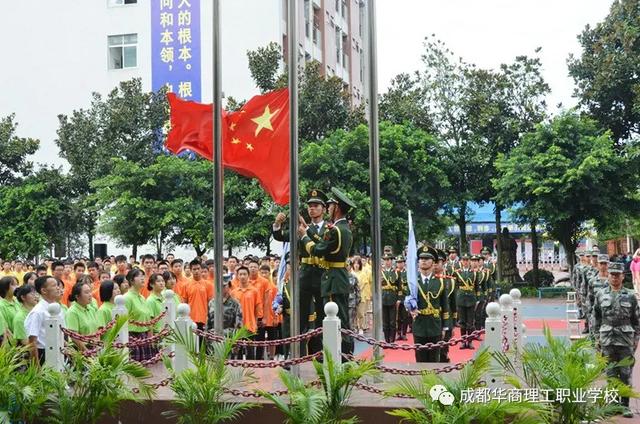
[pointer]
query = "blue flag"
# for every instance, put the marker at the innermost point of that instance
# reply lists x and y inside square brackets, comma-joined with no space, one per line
[411,301]
[277,301]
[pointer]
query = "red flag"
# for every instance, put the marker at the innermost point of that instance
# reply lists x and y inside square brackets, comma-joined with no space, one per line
[192,127]
[255,138]
[257,142]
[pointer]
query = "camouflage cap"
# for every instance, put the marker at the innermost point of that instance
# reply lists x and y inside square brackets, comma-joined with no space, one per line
[616,268]
[603,258]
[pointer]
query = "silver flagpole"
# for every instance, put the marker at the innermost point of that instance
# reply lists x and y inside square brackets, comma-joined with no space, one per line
[374,170]
[218,195]
[292,65]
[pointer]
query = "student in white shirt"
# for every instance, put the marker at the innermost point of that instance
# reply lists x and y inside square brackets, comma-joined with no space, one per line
[47,287]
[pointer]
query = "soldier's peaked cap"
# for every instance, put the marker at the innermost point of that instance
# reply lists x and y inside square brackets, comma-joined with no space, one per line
[337,196]
[317,196]
[427,252]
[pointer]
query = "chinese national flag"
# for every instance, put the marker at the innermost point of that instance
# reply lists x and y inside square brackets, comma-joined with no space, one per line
[255,138]
[257,142]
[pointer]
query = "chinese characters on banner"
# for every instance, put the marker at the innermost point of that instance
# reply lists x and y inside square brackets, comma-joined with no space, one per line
[175,47]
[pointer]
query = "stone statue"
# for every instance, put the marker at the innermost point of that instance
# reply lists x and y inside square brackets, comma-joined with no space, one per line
[509,260]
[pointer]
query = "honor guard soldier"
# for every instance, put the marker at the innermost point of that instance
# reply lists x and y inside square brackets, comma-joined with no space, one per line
[483,289]
[333,249]
[616,323]
[450,289]
[453,263]
[467,285]
[490,269]
[404,317]
[390,300]
[311,268]
[429,322]
[597,283]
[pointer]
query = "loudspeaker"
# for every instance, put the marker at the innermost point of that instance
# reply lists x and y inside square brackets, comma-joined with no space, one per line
[99,249]
[60,250]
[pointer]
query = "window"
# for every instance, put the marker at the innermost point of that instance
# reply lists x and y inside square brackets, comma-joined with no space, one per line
[121,2]
[361,21]
[345,50]
[337,5]
[307,20]
[344,9]
[338,46]
[123,51]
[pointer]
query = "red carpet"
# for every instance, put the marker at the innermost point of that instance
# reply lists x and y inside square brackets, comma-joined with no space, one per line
[455,354]
[538,324]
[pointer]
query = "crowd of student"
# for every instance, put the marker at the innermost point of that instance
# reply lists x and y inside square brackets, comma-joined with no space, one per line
[86,291]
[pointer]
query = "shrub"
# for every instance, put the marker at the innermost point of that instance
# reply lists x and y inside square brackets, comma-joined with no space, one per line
[545,278]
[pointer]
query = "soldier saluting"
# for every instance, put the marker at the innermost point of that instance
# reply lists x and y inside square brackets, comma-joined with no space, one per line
[333,249]
[616,320]
[429,322]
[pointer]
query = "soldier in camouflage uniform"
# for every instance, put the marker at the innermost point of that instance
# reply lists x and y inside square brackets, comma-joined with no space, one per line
[391,287]
[576,273]
[404,317]
[231,312]
[451,316]
[429,321]
[616,320]
[588,271]
[595,284]
[468,290]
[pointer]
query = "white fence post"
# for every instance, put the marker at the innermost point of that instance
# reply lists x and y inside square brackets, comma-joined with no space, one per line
[54,338]
[184,330]
[331,336]
[506,309]
[121,310]
[170,317]
[518,327]
[493,336]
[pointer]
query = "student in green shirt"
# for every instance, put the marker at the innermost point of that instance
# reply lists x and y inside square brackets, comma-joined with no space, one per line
[155,301]
[169,284]
[108,292]
[9,306]
[138,311]
[81,317]
[28,298]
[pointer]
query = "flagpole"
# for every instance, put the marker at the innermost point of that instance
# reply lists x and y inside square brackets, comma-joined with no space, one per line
[292,65]
[218,195]
[374,171]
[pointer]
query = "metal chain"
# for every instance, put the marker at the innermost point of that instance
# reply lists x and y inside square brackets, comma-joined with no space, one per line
[427,346]
[155,358]
[149,323]
[256,395]
[143,342]
[88,338]
[273,364]
[400,371]
[380,392]
[162,383]
[266,343]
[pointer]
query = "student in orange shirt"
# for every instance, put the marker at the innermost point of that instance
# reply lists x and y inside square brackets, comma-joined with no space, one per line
[57,268]
[147,264]
[78,271]
[93,269]
[211,271]
[181,279]
[102,276]
[198,292]
[261,284]
[251,305]
[121,265]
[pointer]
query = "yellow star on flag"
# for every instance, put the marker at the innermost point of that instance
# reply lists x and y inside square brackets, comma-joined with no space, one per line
[264,121]
[235,141]
[249,147]
[232,127]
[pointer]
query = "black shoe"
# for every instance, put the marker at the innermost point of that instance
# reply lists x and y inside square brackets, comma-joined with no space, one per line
[585,330]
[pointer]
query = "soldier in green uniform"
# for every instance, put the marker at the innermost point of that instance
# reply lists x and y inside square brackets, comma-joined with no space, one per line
[453,263]
[490,269]
[311,269]
[467,284]
[390,300]
[595,284]
[483,289]
[616,320]
[404,317]
[333,249]
[429,322]
[587,273]
[575,280]
[450,288]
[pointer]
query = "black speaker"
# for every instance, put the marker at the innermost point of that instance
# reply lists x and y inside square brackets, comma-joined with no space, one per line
[99,249]
[60,250]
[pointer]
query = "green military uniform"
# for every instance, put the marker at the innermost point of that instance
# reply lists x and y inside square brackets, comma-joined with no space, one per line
[433,311]
[391,287]
[616,320]
[588,272]
[451,316]
[595,283]
[310,277]
[468,291]
[483,293]
[451,266]
[404,317]
[333,250]
[490,269]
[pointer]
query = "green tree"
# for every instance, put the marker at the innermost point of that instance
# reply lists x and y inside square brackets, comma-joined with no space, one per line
[410,178]
[14,163]
[606,74]
[405,102]
[564,173]
[125,124]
